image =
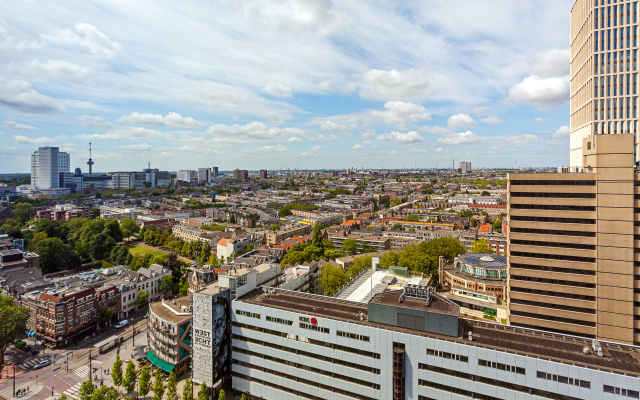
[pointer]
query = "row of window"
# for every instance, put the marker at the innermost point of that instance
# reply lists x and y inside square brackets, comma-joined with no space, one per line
[554,269]
[553,257]
[552,207]
[450,356]
[553,232]
[553,318]
[348,364]
[614,128]
[353,336]
[493,382]
[455,390]
[554,244]
[310,341]
[279,320]
[314,328]
[599,14]
[553,281]
[563,332]
[600,63]
[248,314]
[552,183]
[564,379]
[622,392]
[555,195]
[374,386]
[612,113]
[553,305]
[553,219]
[502,367]
[554,294]
[298,393]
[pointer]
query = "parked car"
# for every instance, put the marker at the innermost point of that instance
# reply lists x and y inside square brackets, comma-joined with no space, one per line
[122,323]
[41,364]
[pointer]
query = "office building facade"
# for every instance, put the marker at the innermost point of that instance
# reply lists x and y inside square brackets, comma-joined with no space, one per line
[240,174]
[46,165]
[465,167]
[603,72]
[204,175]
[572,261]
[263,174]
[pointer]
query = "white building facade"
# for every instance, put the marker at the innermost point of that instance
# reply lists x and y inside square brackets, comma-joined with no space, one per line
[46,165]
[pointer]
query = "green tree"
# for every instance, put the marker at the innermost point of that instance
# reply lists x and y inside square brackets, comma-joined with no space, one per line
[38,237]
[100,393]
[172,389]
[86,390]
[349,247]
[497,226]
[397,227]
[14,323]
[184,288]
[158,386]
[412,218]
[222,395]
[317,235]
[359,264]
[62,397]
[130,377]
[144,386]
[129,227]
[166,284]
[187,390]
[116,371]
[389,259]
[113,395]
[204,392]
[396,201]
[101,246]
[104,315]
[333,277]
[274,227]
[50,251]
[23,212]
[143,298]
[482,247]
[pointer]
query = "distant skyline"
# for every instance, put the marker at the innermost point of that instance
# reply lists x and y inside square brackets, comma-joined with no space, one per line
[256,84]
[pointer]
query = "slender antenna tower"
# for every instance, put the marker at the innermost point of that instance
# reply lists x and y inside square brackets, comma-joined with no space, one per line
[90,162]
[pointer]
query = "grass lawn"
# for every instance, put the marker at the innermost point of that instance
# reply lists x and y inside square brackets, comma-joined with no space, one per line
[137,250]
[106,264]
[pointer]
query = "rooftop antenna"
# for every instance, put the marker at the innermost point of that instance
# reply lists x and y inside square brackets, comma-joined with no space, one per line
[90,162]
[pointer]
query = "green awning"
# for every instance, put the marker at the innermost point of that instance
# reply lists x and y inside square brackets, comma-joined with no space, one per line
[165,366]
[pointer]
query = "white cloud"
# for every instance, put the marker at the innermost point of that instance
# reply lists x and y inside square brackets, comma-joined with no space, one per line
[254,130]
[401,112]
[541,120]
[135,147]
[368,134]
[277,89]
[357,147]
[53,69]
[264,150]
[15,126]
[396,85]
[439,149]
[333,126]
[38,141]
[123,134]
[544,93]
[88,121]
[290,15]
[435,130]
[460,121]
[323,137]
[492,120]
[481,111]
[394,152]
[409,137]
[171,120]
[563,131]
[550,63]
[311,152]
[294,139]
[467,137]
[88,37]
[18,95]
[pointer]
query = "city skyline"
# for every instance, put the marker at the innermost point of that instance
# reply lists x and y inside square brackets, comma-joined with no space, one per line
[318,85]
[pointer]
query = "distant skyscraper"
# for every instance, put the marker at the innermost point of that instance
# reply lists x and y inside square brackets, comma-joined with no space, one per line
[46,165]
[241,174]
[465,167]
[214,172]
[263,174]
[184,175]
[604,51]
[204,175]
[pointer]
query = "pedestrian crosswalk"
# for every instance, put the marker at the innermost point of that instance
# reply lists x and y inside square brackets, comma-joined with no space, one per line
[72,392]
[83,371]
[30,363]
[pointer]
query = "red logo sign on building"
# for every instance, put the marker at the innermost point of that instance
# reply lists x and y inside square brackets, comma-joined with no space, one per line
[314,321]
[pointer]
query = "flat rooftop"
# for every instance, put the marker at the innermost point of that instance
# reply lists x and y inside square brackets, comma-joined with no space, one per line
[438,304]
[171,312]
[618,358]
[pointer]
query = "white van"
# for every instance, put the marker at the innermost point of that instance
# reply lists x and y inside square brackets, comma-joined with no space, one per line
[122,323]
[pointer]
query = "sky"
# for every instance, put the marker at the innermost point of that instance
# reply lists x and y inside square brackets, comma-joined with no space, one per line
[260,84]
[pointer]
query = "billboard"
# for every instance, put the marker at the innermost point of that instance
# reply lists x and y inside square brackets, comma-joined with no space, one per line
[211,336]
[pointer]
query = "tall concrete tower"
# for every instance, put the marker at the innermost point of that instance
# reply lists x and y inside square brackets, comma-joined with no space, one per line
[90,162]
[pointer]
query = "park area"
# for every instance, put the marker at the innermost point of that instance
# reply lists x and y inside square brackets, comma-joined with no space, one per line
[142,250]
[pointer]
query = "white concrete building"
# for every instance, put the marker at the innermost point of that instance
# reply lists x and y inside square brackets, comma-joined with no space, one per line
[46,165]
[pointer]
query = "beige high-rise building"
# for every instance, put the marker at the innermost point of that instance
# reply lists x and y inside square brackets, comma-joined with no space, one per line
[573,263]
[604,66]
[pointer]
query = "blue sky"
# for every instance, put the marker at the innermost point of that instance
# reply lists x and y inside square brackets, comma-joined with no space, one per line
[289,83]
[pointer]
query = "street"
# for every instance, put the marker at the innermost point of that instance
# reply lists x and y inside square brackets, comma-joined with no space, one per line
[39,382]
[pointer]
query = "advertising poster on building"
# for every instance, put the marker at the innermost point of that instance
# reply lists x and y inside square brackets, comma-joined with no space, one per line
[211,341]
